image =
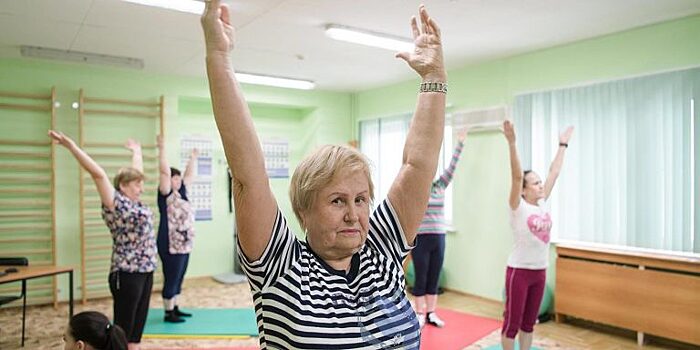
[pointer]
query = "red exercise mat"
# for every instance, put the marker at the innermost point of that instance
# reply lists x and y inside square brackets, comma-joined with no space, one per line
[460,330]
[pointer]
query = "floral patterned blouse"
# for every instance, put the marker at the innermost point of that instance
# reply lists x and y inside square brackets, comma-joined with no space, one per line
[134,243]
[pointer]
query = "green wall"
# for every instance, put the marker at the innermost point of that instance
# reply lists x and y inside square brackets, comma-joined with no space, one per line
[478,250]
[305,118]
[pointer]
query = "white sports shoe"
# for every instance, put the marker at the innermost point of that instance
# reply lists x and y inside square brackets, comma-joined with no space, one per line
[435,320]
[421,319]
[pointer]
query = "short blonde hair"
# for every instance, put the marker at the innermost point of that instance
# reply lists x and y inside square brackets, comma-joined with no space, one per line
[126,175]
[318,170]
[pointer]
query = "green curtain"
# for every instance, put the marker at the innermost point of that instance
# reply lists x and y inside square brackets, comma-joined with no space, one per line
[629,176]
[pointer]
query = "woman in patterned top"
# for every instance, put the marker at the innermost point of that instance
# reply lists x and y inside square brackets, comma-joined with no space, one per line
[134,246]
[175,230]
[342,287]
[429,253]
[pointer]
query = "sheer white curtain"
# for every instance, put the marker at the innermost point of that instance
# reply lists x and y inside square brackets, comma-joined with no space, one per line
[628,176]
[382,141]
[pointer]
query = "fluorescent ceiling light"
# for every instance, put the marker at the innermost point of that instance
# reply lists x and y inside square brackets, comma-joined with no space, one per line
[191,6]
[80,57]
[369,38]
[275,81]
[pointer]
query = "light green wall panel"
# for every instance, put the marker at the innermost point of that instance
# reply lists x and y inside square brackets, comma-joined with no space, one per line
[306,119]
[476,254]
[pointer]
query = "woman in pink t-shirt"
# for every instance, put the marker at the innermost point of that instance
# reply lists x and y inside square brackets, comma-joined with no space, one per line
[531,224]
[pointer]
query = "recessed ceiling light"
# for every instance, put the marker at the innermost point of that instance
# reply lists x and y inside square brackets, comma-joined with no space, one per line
[190,6]
[369,38]
[268,80]
[80,57]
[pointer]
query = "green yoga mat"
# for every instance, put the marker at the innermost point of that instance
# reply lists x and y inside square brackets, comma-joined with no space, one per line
[205,322]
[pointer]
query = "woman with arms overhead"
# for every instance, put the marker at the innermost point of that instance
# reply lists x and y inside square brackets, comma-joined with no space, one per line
[130,222]
[343,287]
[531,223]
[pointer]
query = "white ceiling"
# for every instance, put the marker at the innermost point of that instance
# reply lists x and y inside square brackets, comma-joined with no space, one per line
[286,37]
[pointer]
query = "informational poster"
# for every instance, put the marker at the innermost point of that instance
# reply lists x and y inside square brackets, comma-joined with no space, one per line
[200,192]
[276,153]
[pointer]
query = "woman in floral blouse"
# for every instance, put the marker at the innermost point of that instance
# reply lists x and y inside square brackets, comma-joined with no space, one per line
[175,230]
[134,246]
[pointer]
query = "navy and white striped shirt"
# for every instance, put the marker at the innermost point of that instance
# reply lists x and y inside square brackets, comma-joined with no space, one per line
[302,303]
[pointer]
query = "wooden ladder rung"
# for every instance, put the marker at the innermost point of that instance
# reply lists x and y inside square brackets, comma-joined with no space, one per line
[115,101]
[40,155]
[98,258]
[25,107]
[25,240]
[25,143]
[25,228]
[123,113]
[24,180]
[17,166]
[25,95]
[23,213]
[24,190]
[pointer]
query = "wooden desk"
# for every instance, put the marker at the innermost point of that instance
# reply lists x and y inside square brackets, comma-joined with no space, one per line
[25,273]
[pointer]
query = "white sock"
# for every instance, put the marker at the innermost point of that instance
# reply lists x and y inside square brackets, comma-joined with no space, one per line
[435,320]
[169,304]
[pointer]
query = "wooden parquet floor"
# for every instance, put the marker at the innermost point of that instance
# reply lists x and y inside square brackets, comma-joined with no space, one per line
[45,325]
[573,334]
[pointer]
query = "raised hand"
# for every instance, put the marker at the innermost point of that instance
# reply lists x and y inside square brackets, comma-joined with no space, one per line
[159,142]
[195,153]
[219,34]
[426,59]
[104,186]
[509,131]
[61,139]
[462,134]
[133,145]
[566,135]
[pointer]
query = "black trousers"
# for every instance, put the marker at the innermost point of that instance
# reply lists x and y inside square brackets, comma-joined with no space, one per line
[428,256]
[174,268]
[131,292]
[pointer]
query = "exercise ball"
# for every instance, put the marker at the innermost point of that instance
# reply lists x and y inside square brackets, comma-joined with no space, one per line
[545,305]
[411,276]
[547,299]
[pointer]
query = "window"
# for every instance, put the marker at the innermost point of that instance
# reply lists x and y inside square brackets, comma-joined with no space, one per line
[629,173]
[382,140]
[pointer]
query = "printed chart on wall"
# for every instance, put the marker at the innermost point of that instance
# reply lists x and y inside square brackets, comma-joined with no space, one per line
[276,153]
[201,192]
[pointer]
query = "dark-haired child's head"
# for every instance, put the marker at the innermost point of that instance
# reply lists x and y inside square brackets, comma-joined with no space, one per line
[91,330]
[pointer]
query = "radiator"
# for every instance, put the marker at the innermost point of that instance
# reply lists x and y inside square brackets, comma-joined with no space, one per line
[647,293]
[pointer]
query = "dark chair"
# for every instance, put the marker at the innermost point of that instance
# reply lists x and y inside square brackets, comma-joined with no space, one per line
[5,299]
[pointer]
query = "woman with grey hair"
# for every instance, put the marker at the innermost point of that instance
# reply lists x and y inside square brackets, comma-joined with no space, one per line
[130,222]
[342,288]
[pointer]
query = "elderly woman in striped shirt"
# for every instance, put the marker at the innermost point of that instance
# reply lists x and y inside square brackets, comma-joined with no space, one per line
[343,287]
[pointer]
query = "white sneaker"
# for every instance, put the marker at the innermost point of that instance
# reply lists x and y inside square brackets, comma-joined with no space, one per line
[421,319]
[435,320]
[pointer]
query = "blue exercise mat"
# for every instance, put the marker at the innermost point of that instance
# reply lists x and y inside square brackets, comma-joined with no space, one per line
[204,322]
